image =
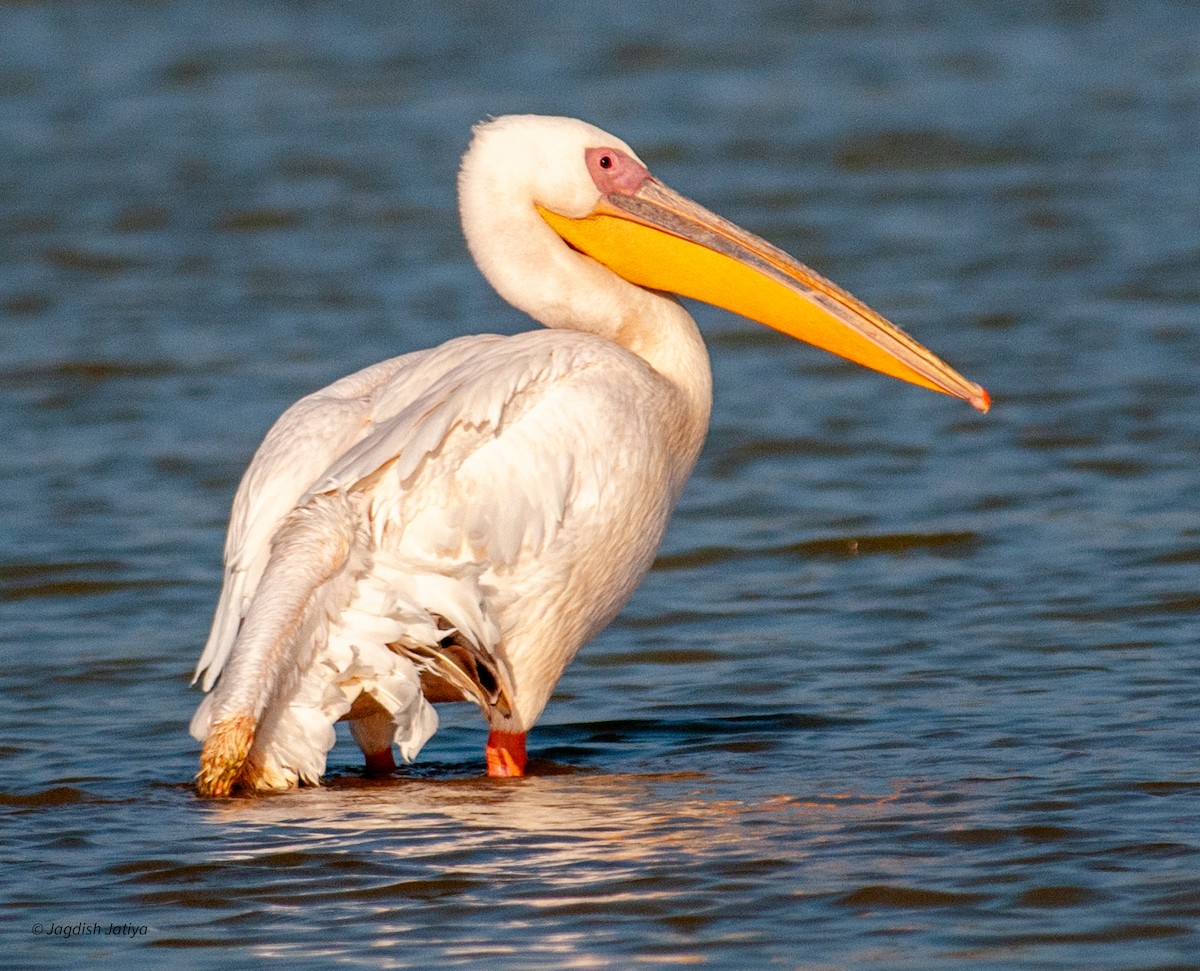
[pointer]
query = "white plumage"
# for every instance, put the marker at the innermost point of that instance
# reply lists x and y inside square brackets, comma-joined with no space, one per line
[457,522]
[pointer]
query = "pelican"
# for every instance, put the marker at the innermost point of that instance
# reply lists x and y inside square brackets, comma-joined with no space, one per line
[455,523]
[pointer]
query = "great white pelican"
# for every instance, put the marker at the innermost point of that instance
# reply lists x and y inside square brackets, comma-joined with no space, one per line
[455,523]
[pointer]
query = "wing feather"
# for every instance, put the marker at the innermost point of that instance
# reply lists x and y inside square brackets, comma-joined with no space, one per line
[301,446]
[467,432]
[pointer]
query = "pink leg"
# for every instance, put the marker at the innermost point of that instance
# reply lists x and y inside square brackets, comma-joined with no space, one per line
[374,736]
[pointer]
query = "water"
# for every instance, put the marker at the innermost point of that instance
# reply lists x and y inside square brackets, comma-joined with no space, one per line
[909,687]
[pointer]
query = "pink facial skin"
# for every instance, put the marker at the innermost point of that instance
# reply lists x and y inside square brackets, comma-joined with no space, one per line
[615,172]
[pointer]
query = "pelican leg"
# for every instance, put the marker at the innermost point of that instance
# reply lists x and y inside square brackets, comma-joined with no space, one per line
[374,736]
[505,754]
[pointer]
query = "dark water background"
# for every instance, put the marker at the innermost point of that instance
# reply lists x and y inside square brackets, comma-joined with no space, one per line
[909,687]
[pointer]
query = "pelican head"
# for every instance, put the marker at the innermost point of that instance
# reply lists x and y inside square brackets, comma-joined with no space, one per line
[578,203]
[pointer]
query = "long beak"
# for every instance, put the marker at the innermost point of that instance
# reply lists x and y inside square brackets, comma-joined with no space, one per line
[658,239]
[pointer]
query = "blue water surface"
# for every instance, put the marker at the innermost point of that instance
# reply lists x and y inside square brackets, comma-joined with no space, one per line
[908,687]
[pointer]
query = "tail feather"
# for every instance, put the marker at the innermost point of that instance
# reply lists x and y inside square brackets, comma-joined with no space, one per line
[306,581]
[226,621]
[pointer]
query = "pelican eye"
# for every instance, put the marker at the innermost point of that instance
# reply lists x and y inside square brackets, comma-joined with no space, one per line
[606,161]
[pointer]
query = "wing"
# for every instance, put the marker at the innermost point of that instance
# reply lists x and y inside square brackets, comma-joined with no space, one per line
[406,430]
[300,447]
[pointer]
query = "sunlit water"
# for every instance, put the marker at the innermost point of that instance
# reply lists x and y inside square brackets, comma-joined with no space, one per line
[909,687]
